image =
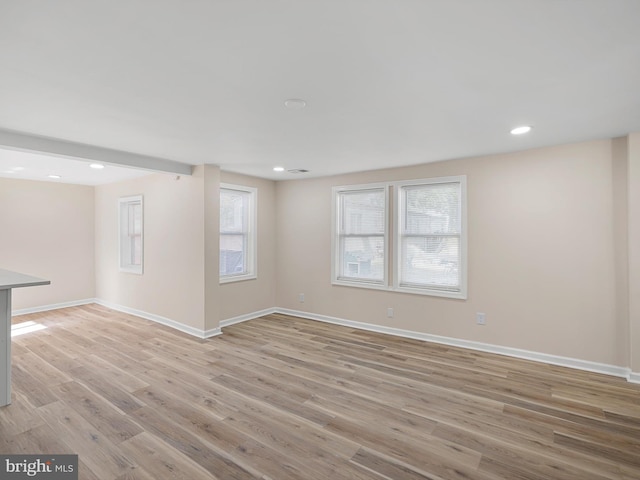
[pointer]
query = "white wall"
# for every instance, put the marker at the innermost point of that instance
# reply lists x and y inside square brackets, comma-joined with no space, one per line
[633,186]
[47,231]
[241,298]
[553,250]
[541,254]
[173,281]
[620,163]
[180,281]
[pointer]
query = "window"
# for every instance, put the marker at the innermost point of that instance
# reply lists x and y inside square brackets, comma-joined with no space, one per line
[237,233]
[131,234]
[430,237]
[360,235]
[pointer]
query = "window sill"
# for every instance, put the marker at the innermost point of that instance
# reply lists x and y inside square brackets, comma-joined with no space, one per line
[431,292]
[134,270]
[397,289]
[369,285]
[237,278]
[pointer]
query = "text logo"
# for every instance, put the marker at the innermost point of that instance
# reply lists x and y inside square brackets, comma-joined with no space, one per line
[49,467]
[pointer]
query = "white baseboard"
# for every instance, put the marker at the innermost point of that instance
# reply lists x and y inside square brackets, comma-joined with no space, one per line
[248,316]
[54,306]
[484,347]
[633,377]
[196,332]
[212,332]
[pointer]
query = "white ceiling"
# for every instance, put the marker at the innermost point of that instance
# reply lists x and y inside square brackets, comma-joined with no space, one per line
[35,166]
[387,82]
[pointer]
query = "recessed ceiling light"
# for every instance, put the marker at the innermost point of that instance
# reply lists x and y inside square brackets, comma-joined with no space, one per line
[520,130]
[278,169]
[17,169]
[54,176]
[97,166]
[295,104]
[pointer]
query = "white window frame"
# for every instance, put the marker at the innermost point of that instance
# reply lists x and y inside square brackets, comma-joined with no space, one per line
[336,243]
[398,228]
[251,235]
[395,225]
[125,236]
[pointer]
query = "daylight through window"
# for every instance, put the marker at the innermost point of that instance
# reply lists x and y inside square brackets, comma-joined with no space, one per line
[361,235]
[237,233]
[429,237]
[131,234]
[428,252]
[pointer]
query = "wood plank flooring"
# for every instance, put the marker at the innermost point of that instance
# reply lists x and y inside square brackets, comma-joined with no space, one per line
[281,398]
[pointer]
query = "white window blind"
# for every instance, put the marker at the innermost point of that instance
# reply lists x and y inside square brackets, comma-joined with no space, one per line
[428,251]
[430,236]
[237,233]
[361,235]
[131,234]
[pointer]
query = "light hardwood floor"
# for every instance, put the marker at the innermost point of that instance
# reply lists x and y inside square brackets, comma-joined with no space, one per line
[286,398]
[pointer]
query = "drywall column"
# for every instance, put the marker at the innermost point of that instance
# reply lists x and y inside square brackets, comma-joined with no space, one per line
[212,249]
[620,170]
[633,186]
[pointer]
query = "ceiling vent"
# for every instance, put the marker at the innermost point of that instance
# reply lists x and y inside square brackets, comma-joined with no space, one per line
[298,170]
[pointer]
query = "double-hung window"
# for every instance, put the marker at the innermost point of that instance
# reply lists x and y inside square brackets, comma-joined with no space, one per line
[237,233]
[430,237]
[360,235]
[428,251]
[131,229]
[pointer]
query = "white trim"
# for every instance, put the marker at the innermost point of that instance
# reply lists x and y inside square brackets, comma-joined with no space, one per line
[483,347]
[632,377]
[246,317]
[212,332]
[361,284]
[361,186]
[336,212]
[54,306]
[135,269]
[237,278]
[398,227]
[432,292]
[196,332]
[252,235]
[392,234]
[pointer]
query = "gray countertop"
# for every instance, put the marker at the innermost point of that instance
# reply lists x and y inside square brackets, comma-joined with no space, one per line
[9,279]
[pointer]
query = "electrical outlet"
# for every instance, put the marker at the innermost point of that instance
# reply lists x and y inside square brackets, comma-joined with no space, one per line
[481,318]
[390,312]
[301,297]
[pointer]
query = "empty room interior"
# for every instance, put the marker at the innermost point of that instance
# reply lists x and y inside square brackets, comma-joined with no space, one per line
[307,239]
